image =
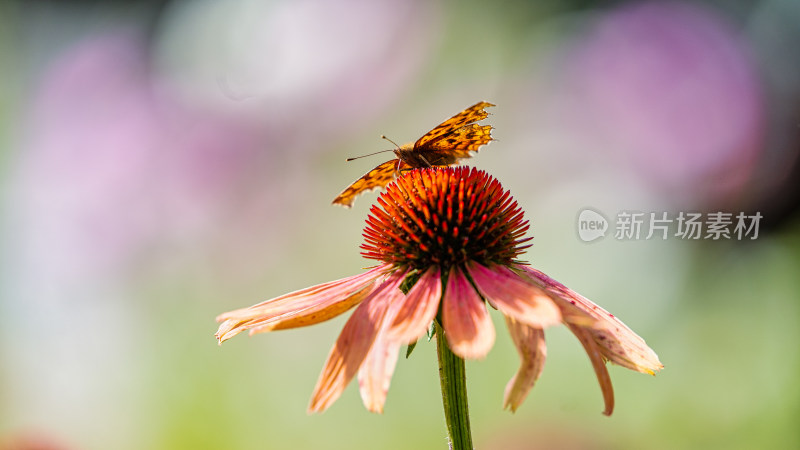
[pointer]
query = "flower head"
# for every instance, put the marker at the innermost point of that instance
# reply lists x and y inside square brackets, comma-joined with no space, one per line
[445,218]
[458,233]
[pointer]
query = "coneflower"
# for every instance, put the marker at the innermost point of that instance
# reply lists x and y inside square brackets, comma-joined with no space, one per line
[447,241]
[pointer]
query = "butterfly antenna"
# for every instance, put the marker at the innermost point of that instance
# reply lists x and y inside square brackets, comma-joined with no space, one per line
[393,142]
[382,151]
[368,154]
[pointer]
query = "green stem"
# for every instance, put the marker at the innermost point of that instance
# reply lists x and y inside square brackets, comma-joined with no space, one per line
[454,393]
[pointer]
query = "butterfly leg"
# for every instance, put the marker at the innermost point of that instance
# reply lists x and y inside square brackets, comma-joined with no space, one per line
[425,161]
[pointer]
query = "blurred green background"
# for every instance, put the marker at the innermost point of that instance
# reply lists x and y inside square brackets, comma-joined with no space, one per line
[165,162]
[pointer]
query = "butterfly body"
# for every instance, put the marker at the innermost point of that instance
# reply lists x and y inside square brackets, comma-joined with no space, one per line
[445,145]
[421,158]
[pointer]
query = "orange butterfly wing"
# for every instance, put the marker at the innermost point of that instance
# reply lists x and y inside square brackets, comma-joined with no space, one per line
[466,117]
[462,141]
[374,179]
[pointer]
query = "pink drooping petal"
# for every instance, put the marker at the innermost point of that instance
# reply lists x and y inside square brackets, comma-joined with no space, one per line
[532,353]
[416,311]
[300,308]
[466,322]
[598,363]
[618,343]
[354,343]
[376,372]
[407,318]
[514,296]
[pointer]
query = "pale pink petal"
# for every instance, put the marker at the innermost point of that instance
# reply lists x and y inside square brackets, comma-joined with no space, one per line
[616,342]
[300,308]
[406,320]
[532,352]
[376,371]
[466,322]
[514,296]
[354,343]
[417,310]
[599,364]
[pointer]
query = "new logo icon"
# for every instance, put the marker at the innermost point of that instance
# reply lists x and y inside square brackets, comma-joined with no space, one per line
[591,225]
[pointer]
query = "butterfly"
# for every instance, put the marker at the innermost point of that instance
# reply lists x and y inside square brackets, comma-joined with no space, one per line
[444,145]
